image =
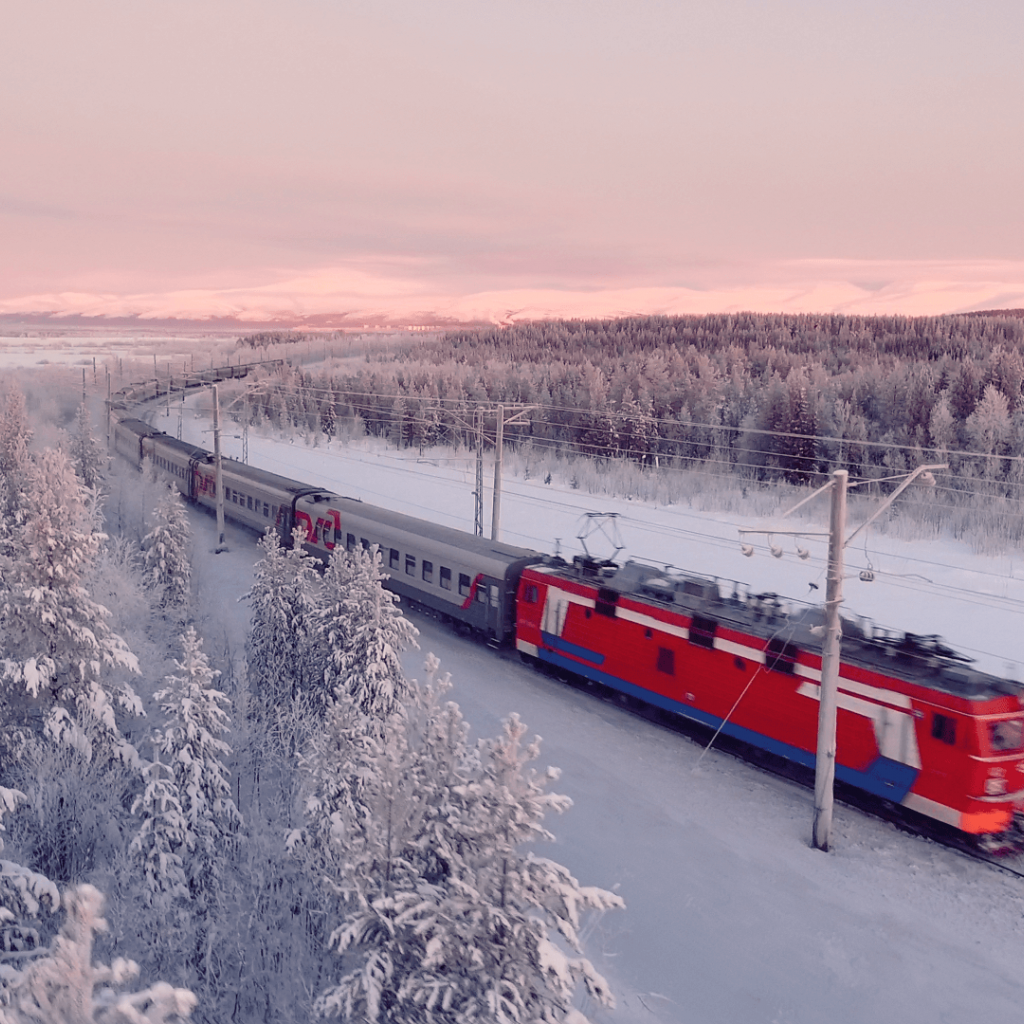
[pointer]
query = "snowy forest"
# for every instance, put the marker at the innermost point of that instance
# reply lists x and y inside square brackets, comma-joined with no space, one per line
[758,398]
[301,832]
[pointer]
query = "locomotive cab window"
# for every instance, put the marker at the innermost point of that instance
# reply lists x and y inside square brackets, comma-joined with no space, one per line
[944,728]
[530,594]
[410,565]
[607,599]
[780,656]
[1006,735]
[464,584]
[702,631]
[446,578]
[428,571]
[666,661]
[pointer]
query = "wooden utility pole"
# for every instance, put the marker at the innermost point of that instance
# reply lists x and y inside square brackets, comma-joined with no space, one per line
[825,762]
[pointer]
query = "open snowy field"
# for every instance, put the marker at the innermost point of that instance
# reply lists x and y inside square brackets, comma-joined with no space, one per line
[731,917]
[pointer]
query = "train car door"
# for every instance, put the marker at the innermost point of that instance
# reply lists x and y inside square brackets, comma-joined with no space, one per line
[493,617]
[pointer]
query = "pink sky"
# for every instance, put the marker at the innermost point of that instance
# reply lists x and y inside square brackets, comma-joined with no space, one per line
[472,158]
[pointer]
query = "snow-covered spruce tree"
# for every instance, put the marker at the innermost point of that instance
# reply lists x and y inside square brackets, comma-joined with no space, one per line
[282,597]
[328,625]
[191,738]
[15,435]
[418,836]
[364,663]
[23,894]
[58,649]
[162,837]
[489,948]
[87,454]
[167,549]
[66,987]
[155,904]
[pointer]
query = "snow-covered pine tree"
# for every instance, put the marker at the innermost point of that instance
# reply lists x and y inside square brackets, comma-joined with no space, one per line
[366,799]
[418,837]
[329,627]
[23,894]
[282,597]
[58,649]
[87,454]
[162,837]
[15,435]
[167,563]
[195,722]
[368,670]
[155,904]
[490,952]
[66,987]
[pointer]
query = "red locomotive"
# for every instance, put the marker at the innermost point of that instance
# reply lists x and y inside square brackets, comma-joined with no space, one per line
[916,724]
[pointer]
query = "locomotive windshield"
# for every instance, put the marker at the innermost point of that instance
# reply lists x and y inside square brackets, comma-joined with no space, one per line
[1006,735]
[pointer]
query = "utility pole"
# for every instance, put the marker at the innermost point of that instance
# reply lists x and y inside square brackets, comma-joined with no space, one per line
[499,446]
[825,761]
[478,494]
[221,545]
[499,440]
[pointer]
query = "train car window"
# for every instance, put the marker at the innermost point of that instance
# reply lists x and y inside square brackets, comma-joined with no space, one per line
[410,565]
[493,591]
[365,543]
[531,594]
[350,542]
[248,501]
[446,578]
[666,661]
[464,585]
[428,571]
[944,728]
[266,510]
[780,656]
[393,558]
[1007,735]
[702,631]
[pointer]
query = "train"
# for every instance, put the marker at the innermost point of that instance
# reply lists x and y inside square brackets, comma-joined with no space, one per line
[917,725]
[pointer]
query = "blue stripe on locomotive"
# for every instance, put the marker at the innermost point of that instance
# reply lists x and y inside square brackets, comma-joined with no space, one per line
[884,777]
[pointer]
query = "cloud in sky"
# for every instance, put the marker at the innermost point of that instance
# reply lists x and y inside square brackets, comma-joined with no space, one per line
[580,158]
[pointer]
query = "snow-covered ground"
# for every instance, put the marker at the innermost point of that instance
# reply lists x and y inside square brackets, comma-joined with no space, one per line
[731,916]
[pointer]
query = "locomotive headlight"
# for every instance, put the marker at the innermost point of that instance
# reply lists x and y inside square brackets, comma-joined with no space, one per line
[995,787]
